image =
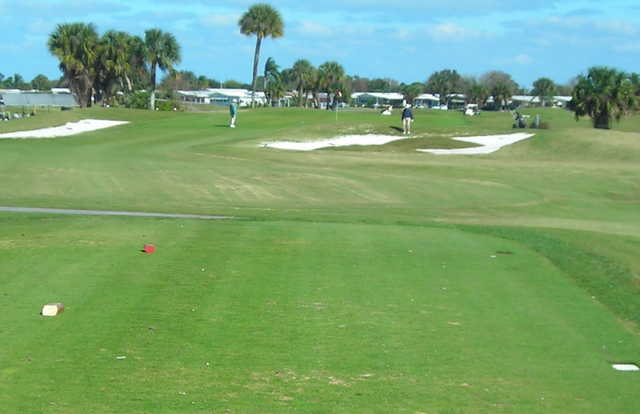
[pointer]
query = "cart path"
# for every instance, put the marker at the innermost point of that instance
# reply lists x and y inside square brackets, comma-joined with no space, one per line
[109,213]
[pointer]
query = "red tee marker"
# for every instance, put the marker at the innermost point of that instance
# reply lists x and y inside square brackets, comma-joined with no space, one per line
[149,248]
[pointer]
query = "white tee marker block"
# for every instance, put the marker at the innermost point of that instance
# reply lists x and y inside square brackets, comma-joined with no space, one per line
[52,309]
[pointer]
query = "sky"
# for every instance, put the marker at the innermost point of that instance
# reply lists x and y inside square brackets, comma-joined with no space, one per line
[406,40]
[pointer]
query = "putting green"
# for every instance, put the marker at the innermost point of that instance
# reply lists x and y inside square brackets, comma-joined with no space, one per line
[312,317]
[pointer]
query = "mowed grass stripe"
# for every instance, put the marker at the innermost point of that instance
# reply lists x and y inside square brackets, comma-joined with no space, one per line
[299,317]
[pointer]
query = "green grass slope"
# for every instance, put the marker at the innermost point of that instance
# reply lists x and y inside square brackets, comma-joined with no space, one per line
[359,279]
[270,317]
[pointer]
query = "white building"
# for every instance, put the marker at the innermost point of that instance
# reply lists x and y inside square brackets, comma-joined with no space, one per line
[377,99]
[426,100]
[60,90]
[526,100]
[222,96]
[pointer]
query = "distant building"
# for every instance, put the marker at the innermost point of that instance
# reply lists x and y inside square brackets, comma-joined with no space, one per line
[60,90]
[221,96]
[426,100]
[528,100]
[376,99]
[562,101]
[37,99]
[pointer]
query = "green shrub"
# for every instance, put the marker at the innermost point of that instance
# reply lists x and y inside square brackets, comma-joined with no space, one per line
[169,105]
[136,100]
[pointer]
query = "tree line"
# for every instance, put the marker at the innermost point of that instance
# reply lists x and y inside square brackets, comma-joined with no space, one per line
[39,82]
[96,68]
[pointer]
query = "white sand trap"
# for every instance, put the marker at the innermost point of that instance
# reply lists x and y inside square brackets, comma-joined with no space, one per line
[626,367]
[489,144]
[70,128]
[341,141]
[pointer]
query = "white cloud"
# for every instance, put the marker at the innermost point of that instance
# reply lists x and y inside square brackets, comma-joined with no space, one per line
[628,47]
[521,59]
[618,27]
[453,32]
[449,30]
[310,28]
[40,25]
[401,34]
[610,26]
[221,20]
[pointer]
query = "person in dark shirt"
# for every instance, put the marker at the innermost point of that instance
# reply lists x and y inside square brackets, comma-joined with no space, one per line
[407,118]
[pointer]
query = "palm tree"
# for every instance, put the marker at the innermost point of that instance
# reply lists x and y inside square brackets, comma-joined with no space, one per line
[604,93]
[271,71]
[635,82]
[272,76]
[275,90]
[330,77]
[500,86]
[138,74]
[544,89]
[444,83]
[412,91]
[303,75]
[74,44]
[113,62]
[477,94]
[162,51]
[263,21]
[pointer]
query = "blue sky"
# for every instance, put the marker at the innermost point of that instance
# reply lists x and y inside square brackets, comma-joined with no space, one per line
[406,40]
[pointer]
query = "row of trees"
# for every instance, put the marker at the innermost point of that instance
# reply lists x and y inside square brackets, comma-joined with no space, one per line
[40,82]
[96,67]
[496,84]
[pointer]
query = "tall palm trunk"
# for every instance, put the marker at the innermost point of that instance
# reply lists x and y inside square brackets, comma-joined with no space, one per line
[152,95]
[256,58]
[602,121]
[128,81]
[300,92]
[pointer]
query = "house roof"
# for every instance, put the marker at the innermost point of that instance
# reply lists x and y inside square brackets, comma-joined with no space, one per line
[38,99]
[393,96]
[231,93]
[428,97]
[525,98]
[236,93]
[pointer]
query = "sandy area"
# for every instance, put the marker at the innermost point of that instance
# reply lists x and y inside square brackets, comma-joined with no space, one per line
[341,141]
[489,144]
[70,128]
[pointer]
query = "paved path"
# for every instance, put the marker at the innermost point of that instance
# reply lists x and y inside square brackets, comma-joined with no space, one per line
[108,213]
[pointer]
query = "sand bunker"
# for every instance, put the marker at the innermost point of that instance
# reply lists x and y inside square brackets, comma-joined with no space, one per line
[341,141]
[489,144]
[70,128]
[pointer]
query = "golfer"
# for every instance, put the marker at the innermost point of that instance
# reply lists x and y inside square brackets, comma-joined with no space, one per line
[233,111]
[407,118]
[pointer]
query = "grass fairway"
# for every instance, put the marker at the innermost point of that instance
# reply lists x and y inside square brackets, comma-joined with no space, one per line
[353,280]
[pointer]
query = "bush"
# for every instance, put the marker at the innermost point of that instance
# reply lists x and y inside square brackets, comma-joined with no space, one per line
[169,105]
[544,125]
[136,100]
